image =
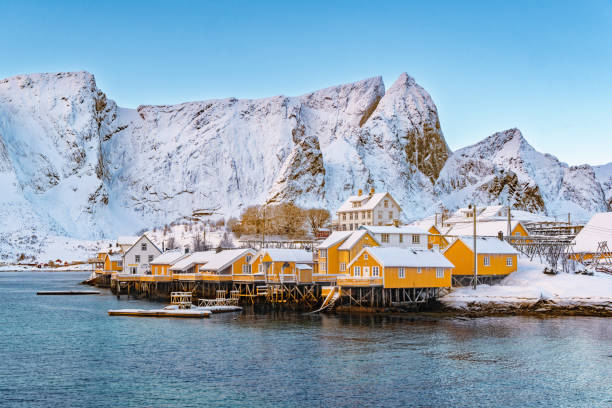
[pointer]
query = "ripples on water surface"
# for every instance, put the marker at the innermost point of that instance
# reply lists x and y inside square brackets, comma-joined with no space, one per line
[66,351]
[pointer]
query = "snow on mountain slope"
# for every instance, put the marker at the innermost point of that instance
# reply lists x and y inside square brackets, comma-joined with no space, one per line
[604,176]
[80,166]
[505,168]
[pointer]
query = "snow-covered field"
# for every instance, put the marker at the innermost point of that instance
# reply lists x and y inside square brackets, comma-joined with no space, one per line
[528,286]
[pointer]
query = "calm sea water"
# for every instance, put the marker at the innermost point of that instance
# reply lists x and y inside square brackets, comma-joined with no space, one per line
[66,351]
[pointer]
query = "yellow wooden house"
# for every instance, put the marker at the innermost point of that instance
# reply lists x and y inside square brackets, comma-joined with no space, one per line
[487,229]
[225,265]
[495,259]
[394,268]
[281,265]
[337,250]
[113,262]
[162,263]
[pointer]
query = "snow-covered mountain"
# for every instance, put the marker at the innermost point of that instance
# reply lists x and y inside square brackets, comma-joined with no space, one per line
[74,164]
[504,168]
[604,176]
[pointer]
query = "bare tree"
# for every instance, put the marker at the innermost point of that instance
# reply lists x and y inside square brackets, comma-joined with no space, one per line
[226,241]
[317,218]
[170,243]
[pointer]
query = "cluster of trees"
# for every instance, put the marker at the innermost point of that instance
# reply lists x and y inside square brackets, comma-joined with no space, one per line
[285,219]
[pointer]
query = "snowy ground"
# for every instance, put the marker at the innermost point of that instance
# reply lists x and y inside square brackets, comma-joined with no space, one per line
[528,286]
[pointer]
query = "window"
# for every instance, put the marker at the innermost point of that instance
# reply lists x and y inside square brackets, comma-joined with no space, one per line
[517,234]
[143,246]
[416,239]
[133,270]
[384,238]
[357,270]
[509,261]
[150,258]
[439,272]
[260,268]
[369,214]
[343,227]
[486,261]
[342,267]
[344,217]
[350,216]
[248,258]
[119,263]
[375,271]
[380,214]
[246,269]
[401,238]
[419,270]
[400,273]
[366,271]
[363,215]
[365,256]
[386,203]
[391,214]
[137,258]
[322,266]
[323,253]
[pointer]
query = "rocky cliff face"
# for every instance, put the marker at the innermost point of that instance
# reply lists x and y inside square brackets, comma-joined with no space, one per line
[72,163]
[81,166]
[504,168]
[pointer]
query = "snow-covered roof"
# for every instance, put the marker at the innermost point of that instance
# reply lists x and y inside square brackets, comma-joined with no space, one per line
[488,245]
[193,259]
[115,257]
[426,223]
[223,259]
[404,229]
[303,266]
[368,202]
[483,228]
[411,258]
[127,240]
[288,255]
[334,238]
[495,213]
[168,257]
[353,239]
[599,228]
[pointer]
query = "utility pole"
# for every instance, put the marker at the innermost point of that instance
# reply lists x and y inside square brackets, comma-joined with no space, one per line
[509,224]
[475,253]
[568,219]
[263,230]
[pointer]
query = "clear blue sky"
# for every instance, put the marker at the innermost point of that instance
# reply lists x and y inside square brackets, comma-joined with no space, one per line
[544,67]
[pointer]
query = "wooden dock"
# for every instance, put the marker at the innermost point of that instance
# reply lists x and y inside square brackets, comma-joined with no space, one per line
[182,313]
[68,292]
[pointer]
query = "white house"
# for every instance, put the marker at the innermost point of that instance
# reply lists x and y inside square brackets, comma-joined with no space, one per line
[402,237]
[137,258]
[371,209]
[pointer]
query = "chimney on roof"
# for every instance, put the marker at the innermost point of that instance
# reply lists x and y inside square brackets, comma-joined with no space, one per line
[372,191]
[396,223]
[360,192]
[186,249]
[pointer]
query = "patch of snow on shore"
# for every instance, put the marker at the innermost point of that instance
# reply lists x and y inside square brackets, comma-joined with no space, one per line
[529,285]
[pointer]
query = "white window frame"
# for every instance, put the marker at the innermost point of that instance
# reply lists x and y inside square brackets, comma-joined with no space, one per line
[342,267]
[416,239]
[439,273]
[150,258]
[486,261]
[375,271]
[260,268]
[246,269]
[137,258]
[248,258]
[509,261]
[401,273]
[322,253]
[366,271]
[322,267]
[356,270]
[419,270]
[143,246]
[365,256]
[384,238]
